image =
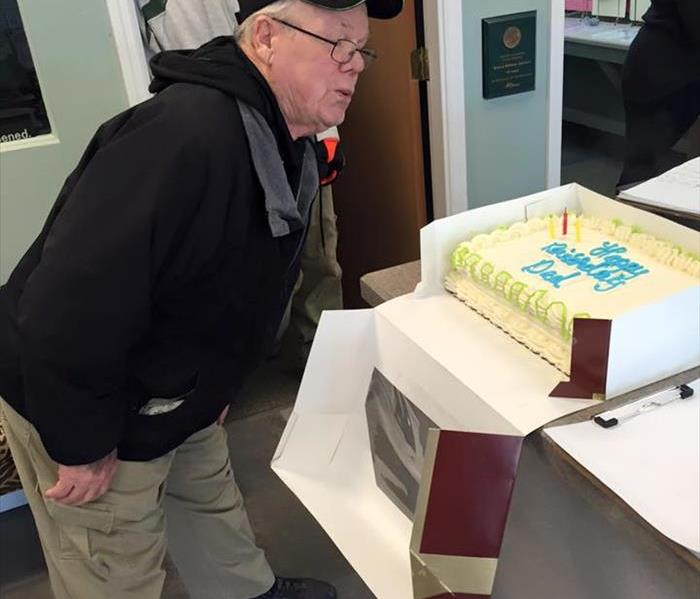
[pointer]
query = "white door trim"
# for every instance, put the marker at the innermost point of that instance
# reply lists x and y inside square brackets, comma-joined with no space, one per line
[446,113]
[132,58]
[555,93]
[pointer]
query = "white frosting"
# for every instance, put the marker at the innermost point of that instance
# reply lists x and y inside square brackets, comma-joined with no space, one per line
[543,341]
[537,306]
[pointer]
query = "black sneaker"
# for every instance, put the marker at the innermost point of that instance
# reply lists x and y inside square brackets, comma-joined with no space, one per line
[299,588]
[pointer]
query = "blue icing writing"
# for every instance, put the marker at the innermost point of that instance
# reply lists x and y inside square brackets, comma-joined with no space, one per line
[545,270]
[606,264]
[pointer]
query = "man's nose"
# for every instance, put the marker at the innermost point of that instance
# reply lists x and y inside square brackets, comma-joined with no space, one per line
[356,63]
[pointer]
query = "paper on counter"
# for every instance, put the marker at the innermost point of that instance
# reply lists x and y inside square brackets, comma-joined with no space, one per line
[677,189]
[651,461]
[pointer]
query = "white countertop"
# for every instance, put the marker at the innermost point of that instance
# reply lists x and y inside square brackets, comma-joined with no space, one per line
[609,35]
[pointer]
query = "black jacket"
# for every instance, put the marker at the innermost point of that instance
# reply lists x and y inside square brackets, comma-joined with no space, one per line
[665,56]
[155,272]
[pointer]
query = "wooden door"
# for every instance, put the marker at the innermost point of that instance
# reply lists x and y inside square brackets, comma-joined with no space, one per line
[380,198]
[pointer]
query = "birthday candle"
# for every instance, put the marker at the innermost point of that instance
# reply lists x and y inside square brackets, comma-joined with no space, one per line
[550,227]
[565,222]
[577,226]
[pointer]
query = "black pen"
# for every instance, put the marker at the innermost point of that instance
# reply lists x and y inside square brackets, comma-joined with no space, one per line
[650,403]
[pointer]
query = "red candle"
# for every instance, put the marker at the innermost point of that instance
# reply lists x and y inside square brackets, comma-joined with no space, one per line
[565,221]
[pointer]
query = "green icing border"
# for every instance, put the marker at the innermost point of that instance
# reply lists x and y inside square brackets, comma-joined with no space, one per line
[532,303]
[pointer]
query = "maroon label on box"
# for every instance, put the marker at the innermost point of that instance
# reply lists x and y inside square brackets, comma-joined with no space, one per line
[589,360]
[470,494]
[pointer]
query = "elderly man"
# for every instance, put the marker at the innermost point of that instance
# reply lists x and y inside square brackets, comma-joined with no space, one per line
[155,286]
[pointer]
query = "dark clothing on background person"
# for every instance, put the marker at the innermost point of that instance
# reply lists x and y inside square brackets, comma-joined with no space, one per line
[652,129]
[156,273]
[665,55]
[660,85]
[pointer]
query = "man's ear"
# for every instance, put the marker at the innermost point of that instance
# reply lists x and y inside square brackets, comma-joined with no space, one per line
[261,39]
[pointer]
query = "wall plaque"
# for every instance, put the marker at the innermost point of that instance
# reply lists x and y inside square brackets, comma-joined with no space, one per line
[508,53]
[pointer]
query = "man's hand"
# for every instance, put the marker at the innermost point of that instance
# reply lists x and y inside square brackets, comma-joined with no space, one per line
[80,484]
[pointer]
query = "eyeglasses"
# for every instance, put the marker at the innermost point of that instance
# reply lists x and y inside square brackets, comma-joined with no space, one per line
[343,50]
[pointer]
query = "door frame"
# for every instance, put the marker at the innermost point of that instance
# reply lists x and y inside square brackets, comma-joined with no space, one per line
[446,113]
[132,57]
[555,93]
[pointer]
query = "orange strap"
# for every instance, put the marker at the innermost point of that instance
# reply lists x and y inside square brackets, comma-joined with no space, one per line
[331,145]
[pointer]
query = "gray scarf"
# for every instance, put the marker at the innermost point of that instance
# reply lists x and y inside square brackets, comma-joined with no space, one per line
[285,212]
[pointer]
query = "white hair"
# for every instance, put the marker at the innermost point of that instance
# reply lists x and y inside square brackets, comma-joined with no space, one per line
[279,10]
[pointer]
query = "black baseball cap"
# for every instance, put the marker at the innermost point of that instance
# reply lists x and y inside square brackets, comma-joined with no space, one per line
[376,9]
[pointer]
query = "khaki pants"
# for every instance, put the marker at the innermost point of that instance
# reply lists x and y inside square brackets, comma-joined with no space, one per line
[113,548]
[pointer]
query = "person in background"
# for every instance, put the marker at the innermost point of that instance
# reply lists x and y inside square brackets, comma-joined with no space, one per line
[184,24]
[156,285]
[660,86]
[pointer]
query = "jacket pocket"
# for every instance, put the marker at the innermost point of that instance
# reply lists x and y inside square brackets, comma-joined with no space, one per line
[156,406]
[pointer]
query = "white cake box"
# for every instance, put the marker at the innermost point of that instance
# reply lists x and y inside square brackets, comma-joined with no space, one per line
[465,375]
[646,344]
